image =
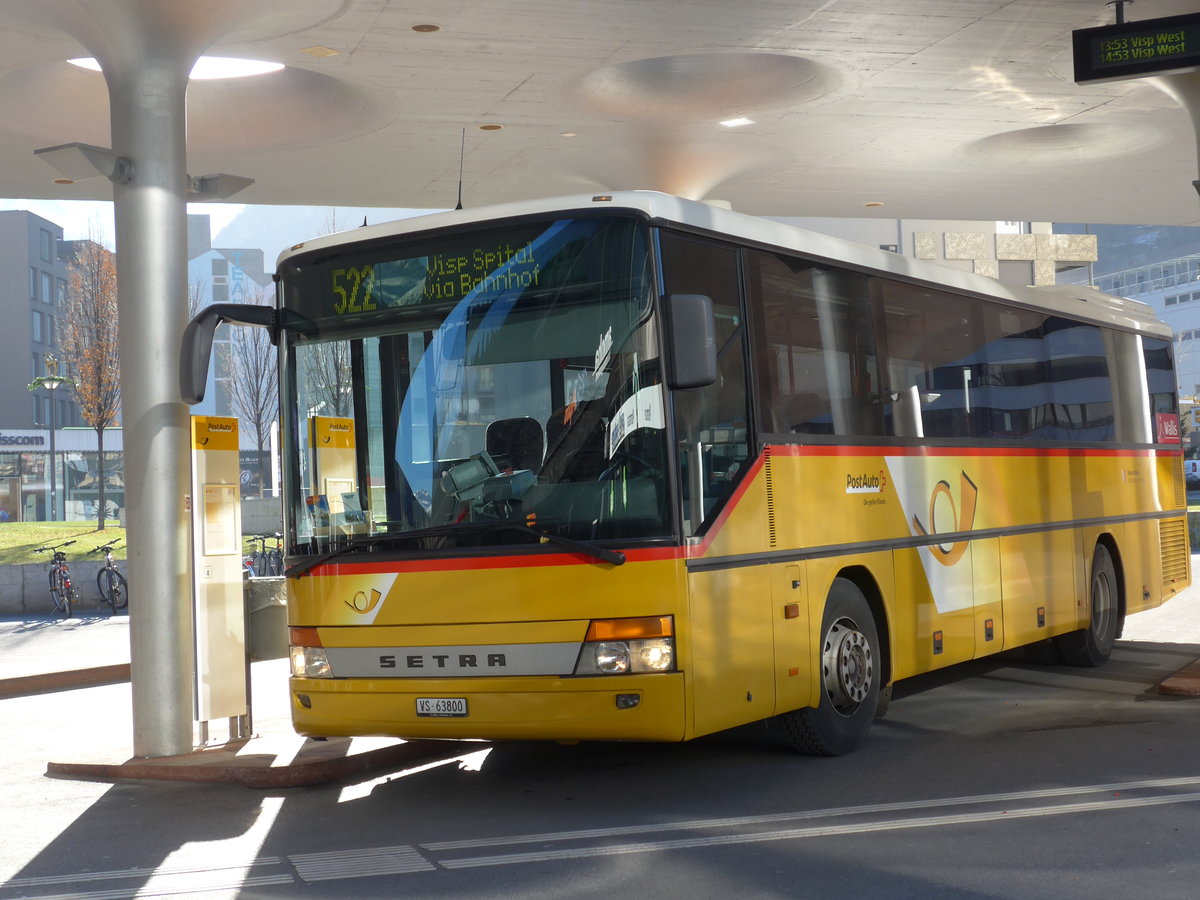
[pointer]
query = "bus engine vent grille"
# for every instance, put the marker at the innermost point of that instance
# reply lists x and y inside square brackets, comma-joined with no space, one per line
[1173,543]
[1180,488]
[770,486]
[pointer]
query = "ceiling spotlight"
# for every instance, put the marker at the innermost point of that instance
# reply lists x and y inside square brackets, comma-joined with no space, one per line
[870,203]
[319,51]
[738,122]
[426,28]
[490,127]
[568,134]
[208,67]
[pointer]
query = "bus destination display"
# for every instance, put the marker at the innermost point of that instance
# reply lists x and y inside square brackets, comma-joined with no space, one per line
[1136,49]
[483,269]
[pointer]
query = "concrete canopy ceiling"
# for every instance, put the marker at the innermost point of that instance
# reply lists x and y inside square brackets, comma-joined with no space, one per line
[962,109]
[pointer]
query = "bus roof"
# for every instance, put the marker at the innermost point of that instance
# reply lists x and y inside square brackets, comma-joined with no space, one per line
[1074,301]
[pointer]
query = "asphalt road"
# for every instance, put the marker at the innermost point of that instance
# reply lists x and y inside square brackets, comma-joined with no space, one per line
[997,779]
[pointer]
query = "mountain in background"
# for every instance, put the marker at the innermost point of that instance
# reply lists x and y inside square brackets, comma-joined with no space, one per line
[274,229]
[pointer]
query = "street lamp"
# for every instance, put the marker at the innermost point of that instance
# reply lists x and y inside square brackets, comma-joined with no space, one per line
[51,382]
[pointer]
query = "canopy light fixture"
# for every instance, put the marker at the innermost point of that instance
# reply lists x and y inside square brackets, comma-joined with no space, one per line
[208,68]
[738,122]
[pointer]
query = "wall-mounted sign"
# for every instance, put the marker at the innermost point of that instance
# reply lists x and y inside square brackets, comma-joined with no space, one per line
[19,439]
[1164,46]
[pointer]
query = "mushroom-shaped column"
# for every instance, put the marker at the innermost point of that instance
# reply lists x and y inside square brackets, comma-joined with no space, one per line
[146,50]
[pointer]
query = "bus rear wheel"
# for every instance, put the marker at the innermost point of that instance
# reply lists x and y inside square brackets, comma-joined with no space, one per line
[850,677]
[1091,646]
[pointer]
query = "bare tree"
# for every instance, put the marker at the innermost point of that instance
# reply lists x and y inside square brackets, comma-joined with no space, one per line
[89,337]
[327,372]
[197,290]
[327,366]
[252,364]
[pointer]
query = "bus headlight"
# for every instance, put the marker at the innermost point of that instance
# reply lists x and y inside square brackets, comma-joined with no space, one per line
[656,655]
[633,657]
[310,662]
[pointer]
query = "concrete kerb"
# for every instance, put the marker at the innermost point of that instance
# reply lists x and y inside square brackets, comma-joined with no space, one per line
[316,762]
[48,682]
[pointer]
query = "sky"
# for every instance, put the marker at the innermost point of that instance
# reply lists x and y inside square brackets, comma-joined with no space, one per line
[271,229]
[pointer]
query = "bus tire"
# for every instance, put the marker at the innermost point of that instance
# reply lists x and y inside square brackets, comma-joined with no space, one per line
[1091,646]
[850,675]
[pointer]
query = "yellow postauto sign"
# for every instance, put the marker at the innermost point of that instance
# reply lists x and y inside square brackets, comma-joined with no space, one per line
[214,433]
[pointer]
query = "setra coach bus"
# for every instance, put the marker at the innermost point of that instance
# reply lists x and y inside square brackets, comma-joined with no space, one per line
[630,467]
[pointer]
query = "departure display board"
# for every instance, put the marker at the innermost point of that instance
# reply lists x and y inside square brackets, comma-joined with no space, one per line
[1166,46]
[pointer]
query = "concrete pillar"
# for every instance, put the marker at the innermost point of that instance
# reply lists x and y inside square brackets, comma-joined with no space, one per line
[148,127]
[1185,90]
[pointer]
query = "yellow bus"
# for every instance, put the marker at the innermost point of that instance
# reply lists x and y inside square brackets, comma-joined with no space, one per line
[629,467]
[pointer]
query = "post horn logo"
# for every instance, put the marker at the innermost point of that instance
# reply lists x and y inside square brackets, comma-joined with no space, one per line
[363,604]
[962,520]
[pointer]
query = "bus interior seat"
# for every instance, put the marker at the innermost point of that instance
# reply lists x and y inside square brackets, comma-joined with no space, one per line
[515,443]
[802,412]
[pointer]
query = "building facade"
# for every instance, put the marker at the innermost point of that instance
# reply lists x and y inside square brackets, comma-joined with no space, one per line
[34,280]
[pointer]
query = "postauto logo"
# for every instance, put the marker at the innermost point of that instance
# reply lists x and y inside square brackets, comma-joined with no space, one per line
[866,484]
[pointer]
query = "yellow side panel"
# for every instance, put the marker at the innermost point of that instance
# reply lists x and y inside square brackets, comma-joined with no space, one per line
[1038,573]
[794,656]
[731,660]
[921,627]
[989,608]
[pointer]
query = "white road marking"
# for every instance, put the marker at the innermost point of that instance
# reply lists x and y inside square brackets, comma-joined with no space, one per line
[339,864]
[729,822]
[815,831]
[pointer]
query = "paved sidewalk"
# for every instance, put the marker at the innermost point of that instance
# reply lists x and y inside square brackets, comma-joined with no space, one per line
[55,660]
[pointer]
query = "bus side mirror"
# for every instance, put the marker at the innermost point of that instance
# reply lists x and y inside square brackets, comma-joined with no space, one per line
[691,341]
[196,347]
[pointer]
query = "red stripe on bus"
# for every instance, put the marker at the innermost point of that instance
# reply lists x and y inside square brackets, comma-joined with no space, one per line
[655,554]
[843,450]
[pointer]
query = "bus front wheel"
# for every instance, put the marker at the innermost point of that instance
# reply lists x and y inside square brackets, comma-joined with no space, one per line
[850,676]
[1091,646]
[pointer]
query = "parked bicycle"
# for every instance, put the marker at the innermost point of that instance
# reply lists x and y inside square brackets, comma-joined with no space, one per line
[112,585]
[262,561]
[62,592]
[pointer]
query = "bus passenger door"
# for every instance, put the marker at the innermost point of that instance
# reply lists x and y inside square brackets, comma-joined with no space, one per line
[730,604]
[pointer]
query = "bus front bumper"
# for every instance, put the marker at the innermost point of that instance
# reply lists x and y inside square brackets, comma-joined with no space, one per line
[604,708]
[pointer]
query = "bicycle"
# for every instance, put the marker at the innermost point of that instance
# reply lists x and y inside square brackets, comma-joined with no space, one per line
[111,583]
[62,592]
[262,562]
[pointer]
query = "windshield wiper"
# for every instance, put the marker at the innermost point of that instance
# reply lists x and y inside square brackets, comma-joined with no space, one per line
[586,548]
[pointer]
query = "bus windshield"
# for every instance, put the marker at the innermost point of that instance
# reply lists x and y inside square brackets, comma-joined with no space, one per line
[510,375]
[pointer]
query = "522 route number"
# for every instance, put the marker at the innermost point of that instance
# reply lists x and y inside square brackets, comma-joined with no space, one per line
[353,289]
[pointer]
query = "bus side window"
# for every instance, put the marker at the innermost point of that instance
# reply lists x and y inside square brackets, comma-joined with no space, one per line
[933,342]
[814,340]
